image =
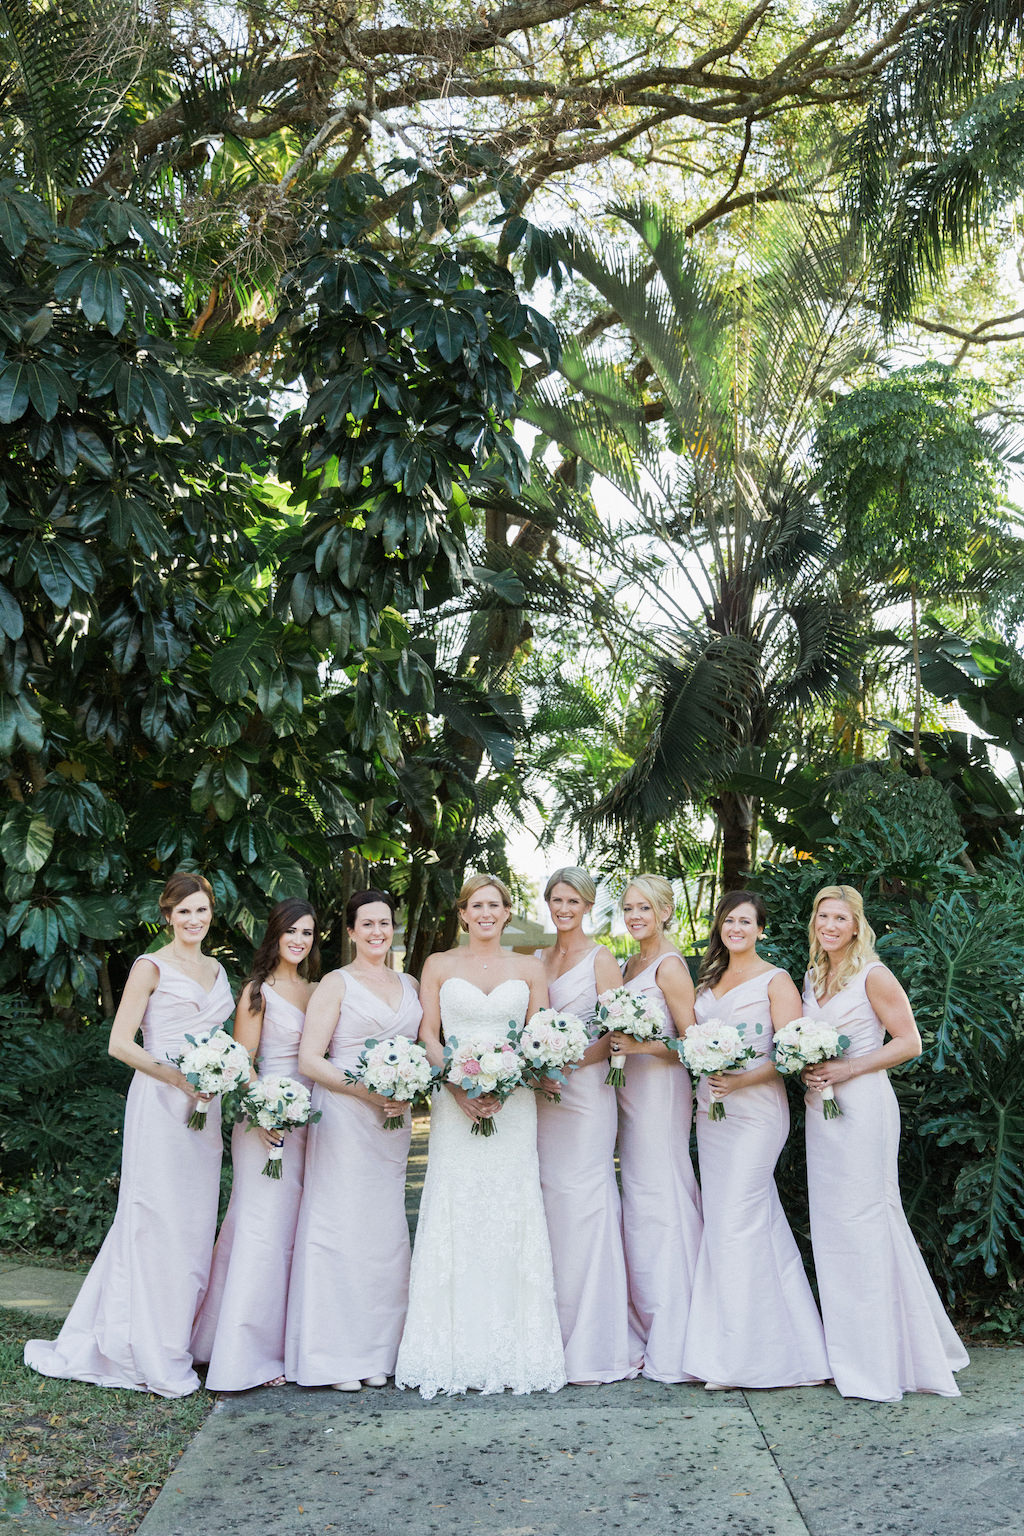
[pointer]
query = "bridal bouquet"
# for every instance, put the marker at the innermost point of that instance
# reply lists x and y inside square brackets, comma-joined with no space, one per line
[621,1009]
[804,1043]
[551,1044]
[713,1047]
[213,1063]
[277,1104]
[397,1069]
[484,1070]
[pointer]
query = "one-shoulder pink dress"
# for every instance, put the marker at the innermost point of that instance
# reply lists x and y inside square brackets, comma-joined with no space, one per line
[885,1328]
[131,1323]
[240,1327]
[661,1205]
[753,1321]
[350,1274]
[576,1146]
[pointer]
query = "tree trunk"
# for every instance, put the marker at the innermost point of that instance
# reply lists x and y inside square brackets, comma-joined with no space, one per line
[737,819]
[922,766]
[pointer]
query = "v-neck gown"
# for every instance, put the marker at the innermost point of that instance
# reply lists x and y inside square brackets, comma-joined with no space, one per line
[131,1323]
[885,1328]
[481,1298]
[576,1146]
[753,1321]
[350,1271]
[240,1327]
[661,1207]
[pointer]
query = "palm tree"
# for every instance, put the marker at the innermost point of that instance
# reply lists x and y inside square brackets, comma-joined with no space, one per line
[703,422]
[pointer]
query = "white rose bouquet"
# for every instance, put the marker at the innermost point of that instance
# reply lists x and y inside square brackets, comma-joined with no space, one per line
[713,1046]
[213,1063]
[804,1043]
[626,1011]
[397,1069]
[551,1044]
[277,1104]
[483,1070]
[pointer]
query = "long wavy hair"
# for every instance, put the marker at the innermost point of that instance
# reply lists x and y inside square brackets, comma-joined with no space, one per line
[825,977]
[716,957]
[282,917]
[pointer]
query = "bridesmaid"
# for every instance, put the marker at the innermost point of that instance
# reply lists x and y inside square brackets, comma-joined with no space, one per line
[350,1276]
[131,1323]
[753,1321]
[885,1329]
[240,1327]
[576,1145]
[660,1200]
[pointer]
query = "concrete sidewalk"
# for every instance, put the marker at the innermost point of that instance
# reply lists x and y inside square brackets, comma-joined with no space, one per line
[636,1456]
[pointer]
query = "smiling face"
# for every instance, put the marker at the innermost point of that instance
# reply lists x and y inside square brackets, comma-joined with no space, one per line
[642,919]
[373,931]
[485,913]
[190,920]
[739,929]
[567,908]
[297,941]
[835,927]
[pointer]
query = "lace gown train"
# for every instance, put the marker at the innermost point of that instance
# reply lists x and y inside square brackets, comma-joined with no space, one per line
[481,1297]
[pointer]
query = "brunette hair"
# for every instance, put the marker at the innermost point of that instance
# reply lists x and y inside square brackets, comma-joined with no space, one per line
[181,885]
[716,956]
[658,892]
[860,953]
[282,917]
[364,899]
[580,881]
[477,883]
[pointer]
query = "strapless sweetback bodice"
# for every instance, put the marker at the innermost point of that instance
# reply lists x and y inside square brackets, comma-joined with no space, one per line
[472,1016]
[280,1035]
[180,1006]
[850,1012]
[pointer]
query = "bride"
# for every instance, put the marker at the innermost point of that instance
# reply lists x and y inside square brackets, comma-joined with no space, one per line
[481,1295]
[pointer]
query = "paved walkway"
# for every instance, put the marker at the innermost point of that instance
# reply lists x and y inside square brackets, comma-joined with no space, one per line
[636,1456]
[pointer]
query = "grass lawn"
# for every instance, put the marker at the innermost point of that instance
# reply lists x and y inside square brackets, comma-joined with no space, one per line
[86,1451]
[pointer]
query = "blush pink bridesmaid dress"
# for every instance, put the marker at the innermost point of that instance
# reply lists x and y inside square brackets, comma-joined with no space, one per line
[885,1328]
[661,1207]
[240,1327]
[132,1321]
[576,1146]
[753,1321]
[350,1273]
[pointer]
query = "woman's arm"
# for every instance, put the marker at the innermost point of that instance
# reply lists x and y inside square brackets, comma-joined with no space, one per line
[249,1022]
[607,977]
[896,1016]
[431,1041]
[143,980]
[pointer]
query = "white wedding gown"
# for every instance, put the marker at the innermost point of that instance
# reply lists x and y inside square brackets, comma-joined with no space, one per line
[481,1296]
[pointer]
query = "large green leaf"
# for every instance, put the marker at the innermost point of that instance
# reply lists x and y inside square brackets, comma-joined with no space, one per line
[26,840]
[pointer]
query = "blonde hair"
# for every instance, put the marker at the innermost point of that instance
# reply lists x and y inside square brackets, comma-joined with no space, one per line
[658,892]
[825,977]
[477,883]
[575,877]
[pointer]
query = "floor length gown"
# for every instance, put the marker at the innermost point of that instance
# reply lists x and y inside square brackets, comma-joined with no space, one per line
[661,1206]
[753,1321]
[576,1147]
[481,1298]
[131,1323]
[240,1327]
[885,1328]
[350,1271]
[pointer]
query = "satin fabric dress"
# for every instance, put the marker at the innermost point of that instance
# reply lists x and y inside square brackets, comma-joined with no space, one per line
[576,1147]
[240,1327]
[753,1321]
[661,1204]
[885,1328]
[132,1320]
[482,1299]
[350,1272]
